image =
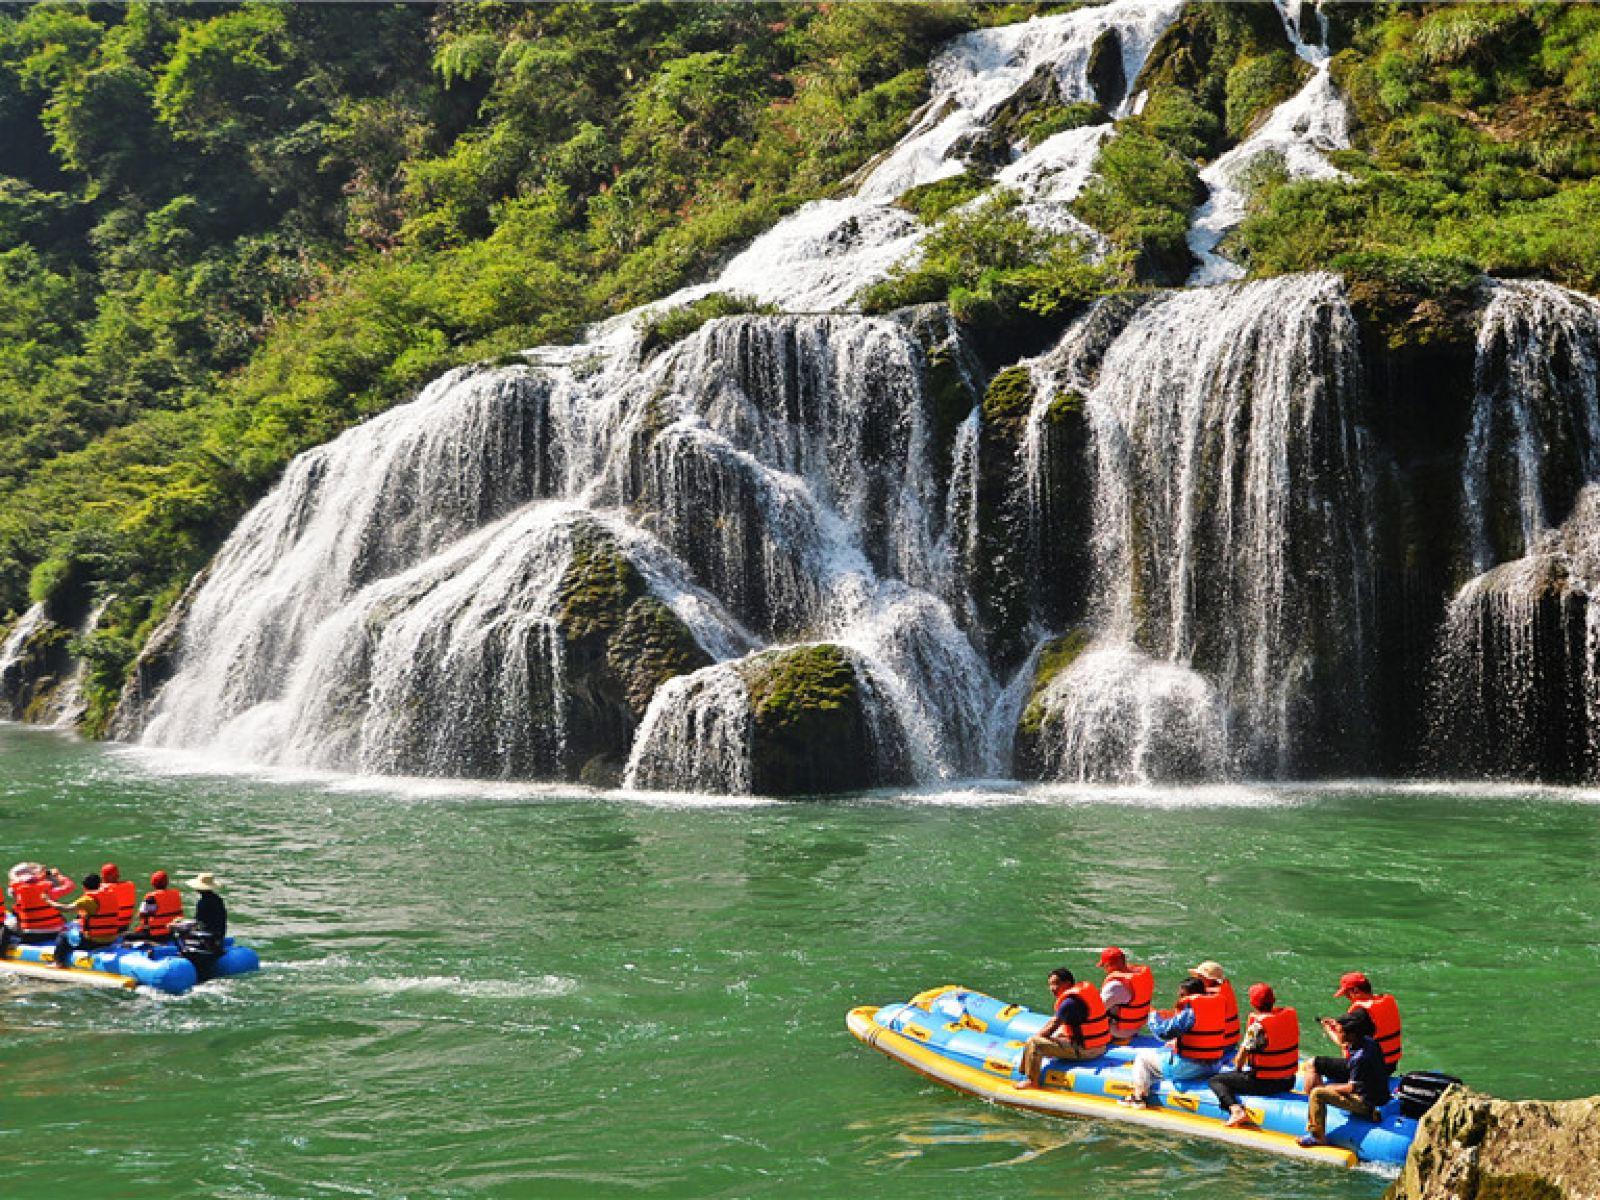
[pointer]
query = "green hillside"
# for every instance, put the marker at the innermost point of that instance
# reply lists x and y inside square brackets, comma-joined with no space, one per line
[231,231]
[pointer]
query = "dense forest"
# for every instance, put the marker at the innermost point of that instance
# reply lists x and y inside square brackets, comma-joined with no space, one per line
[231,231]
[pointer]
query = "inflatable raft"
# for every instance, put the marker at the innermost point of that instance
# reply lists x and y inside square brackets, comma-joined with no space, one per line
[158,967]
[973,1043]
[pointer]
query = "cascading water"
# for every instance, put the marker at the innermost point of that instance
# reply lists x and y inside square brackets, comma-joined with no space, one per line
[1535,437]
[1231,539]
[67,706]
[1298,135]
[1516,686]
[403,601]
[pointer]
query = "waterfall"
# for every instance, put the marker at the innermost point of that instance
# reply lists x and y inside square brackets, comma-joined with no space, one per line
[1516,681]
[1231,538]
[1535,435]
[1299,132]
[404,600]
[823,254]
[13,656]
[68,705]
[1118,716]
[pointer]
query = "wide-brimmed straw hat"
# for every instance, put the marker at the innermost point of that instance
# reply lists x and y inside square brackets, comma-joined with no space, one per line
[204,882]
[1209,970]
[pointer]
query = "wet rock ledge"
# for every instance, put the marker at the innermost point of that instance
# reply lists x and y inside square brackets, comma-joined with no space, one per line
[1474,1147]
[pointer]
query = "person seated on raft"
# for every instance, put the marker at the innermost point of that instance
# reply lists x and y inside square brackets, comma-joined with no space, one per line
[1268,1056]
[1383,1010]
[1127,992]
[161,906]
[124,891]
[1366,1089]
[1216,980]
[33,918]
[1080,1011]
[1195,1031]
[99,921]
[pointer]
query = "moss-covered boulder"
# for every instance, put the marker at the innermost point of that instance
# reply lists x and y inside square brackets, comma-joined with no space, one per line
[621,643]
[1474,1147]
[1054,657]
[818,724]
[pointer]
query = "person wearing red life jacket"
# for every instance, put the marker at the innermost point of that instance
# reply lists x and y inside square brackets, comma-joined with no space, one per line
[1216,981]
[162,905]
[1127,992]
[1081,1014]
[1383,1010]
[1267,1059]
[123,891]
[34,917]
[98,922]
[1194,1032]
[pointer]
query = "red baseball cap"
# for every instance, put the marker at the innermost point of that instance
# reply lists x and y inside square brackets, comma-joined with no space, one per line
[1262,996]
[1352,981]
[109,873]
[1111,956]
[159,880]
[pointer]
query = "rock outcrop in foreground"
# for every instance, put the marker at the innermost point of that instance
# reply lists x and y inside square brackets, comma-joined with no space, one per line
[1474,1147]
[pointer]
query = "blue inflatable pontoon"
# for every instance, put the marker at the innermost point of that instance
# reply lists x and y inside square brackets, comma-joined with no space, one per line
[160,967]
[973,1043]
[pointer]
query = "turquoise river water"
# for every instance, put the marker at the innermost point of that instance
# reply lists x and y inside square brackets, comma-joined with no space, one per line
[481,991]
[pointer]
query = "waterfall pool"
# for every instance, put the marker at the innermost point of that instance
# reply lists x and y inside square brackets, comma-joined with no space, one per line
[512,991]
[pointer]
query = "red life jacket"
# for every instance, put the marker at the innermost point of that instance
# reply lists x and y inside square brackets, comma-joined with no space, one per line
[127,894]
[1206,1041]
[1127,1019]
[169,907]
[1385,1014]
[35,913]
[1280,1056]
[1230,1011]
[106,922]
[1095,1031]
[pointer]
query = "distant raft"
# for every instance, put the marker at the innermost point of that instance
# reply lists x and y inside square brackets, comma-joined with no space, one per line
[161,967]
[973,1043]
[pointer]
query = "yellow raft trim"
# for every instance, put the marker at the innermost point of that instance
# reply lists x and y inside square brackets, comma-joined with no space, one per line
[13,965]
[1074,1104]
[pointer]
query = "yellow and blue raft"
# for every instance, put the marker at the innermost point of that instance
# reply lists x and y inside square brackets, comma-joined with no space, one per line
[973,1043]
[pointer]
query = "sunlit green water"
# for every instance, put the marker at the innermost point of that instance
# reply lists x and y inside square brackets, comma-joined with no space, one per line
[501,994]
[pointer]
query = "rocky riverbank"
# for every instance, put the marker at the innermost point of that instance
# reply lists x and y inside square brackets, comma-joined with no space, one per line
[1474,1147]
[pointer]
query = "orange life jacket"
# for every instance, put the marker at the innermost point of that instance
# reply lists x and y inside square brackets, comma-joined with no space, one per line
[1095,1031]
[1127,1019]
[169,907]
[1206,1041]
[127,894]
[106,922]
[35,913]
[1280,1056]
[1385,1014]
[1230,1010]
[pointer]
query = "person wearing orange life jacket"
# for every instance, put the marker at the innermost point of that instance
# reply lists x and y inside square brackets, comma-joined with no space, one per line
[1194,1030]
[1127,992]
[124,891]
[33,888]
[1383,1010]
[1216,980]
[161,906]
[1081,1014]
[98,922]
[1268,1056]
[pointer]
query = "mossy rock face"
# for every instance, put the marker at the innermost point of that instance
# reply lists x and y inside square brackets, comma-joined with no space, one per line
[1056,656]
[930,201]
[30,681]
[621,644]
[1413,302]
[1107,78]
[999,570]
[816,726]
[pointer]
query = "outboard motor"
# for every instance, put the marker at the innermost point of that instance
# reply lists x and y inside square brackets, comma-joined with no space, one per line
[1419,1091]
[199,945]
